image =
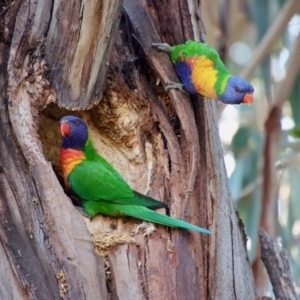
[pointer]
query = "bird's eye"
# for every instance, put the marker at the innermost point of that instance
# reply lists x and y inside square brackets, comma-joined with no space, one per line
[77,123]
[236,89]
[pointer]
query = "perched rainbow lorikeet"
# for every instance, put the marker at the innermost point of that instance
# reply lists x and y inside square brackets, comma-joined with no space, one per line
[202,72]
[100,187]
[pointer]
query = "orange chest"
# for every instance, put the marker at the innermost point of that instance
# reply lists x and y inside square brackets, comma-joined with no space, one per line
[69,159]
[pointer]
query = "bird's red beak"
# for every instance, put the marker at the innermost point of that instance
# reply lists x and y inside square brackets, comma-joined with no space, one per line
[248,98]
[65,128]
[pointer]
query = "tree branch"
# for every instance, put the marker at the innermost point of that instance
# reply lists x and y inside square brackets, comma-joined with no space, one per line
[276,261]
[268,210]
[272,126]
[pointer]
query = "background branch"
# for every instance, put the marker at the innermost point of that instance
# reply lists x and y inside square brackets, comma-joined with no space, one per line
[276,262]
[275,31]
[270,185]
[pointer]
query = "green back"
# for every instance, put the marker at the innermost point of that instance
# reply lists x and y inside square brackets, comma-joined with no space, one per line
[95,178]
[92,155]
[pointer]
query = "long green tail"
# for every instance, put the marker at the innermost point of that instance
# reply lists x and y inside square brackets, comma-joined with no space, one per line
[139,212]
[146,214]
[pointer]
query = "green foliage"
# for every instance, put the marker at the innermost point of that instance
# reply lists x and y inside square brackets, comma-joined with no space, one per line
[295,132]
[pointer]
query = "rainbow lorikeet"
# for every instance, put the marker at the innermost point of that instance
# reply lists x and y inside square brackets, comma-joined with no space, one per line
[101,189]
[202,72]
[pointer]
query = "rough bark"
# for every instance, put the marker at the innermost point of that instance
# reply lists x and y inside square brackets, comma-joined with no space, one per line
[276,261]
[45,242]
[165,145]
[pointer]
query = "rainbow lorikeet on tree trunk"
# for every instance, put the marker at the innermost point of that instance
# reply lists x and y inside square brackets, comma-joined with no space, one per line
[100,187]
[202,72]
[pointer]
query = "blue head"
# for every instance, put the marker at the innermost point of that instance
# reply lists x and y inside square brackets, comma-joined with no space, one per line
[74,132]
[237,91]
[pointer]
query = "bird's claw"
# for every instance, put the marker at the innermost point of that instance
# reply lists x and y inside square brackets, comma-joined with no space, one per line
[175,85]
[149,230]
[147,227]
[162,47]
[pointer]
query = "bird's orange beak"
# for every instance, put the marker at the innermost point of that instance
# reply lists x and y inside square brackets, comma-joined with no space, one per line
[248,98]
[65,128]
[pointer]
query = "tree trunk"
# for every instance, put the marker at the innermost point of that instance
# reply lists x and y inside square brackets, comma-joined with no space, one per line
[164,145]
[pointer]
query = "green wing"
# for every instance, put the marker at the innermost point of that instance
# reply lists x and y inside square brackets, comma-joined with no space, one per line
[192,48]
[93,156]
[92,180]
[201,49]
[95,181]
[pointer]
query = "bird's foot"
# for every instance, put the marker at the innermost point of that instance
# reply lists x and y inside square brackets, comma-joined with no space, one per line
[147,227]
[162,47]
[175,85]
[83,213]
[150,229]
